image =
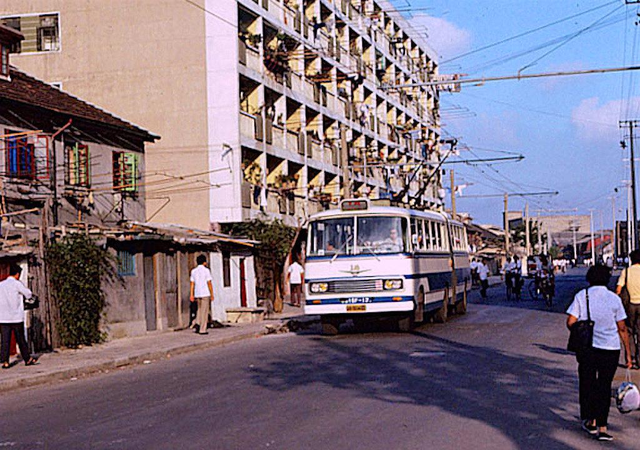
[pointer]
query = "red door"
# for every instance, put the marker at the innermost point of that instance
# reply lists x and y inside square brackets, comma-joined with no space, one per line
[243,287]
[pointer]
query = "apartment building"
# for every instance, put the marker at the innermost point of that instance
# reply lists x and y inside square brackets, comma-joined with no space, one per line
[265,107]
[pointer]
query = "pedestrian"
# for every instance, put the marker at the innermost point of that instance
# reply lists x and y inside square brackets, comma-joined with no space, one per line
[474,271]
[630,278]
[12,295]
[295,275]
[597,365]
[202,292]
[483,276]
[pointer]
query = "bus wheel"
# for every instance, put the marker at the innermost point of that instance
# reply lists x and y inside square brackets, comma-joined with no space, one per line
[329,327]
[461,306]
[442,314]
[406,323]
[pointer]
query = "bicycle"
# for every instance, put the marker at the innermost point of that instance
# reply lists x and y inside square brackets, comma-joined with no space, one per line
[533,288]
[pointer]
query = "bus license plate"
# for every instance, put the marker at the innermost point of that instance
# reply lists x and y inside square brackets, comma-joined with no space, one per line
[353,308]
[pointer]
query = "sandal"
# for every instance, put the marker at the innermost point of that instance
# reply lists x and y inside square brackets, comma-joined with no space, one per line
[6,366]
[31,362]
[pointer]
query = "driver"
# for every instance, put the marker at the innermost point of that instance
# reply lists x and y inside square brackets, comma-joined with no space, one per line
[393,243]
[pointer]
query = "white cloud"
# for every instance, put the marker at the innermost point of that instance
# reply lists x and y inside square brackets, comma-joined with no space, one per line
[598,123]
[443,36]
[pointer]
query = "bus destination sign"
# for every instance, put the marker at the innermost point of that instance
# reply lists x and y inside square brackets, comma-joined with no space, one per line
[354,205]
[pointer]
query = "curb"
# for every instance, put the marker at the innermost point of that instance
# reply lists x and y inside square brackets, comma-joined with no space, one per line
[66,374]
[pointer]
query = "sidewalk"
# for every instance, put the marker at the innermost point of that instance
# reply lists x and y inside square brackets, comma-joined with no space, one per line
[69,364]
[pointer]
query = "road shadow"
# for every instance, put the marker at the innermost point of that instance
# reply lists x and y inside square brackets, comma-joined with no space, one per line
[528,399]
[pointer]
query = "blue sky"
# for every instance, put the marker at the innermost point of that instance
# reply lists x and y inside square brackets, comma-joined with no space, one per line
[574,146]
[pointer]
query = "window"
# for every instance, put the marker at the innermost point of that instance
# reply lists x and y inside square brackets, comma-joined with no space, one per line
[77,164]
[226,269]
[4,60]
[125,172]
[20,157]
[26,156]
[428,236]
[41,32]
[126,263]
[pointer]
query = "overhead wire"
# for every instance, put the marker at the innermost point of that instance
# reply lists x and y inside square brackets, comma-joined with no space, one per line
[569,39]
[526,33]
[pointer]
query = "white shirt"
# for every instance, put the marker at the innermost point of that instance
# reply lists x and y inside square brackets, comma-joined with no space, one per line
[473,265]
[606,309]
[200,276]
[12,294]
[295,273]
[483,271]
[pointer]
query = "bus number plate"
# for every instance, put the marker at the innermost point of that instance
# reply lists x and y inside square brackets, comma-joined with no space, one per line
[353,308]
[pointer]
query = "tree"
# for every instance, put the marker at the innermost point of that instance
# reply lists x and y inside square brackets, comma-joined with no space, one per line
[276,240]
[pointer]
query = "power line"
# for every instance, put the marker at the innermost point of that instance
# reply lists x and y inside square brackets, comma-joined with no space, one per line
[526,33]
[561,44]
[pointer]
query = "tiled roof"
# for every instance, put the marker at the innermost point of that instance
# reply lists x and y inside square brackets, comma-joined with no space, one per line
[31,91]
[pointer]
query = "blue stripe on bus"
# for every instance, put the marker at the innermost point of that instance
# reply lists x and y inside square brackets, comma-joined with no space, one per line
[341,301]
[437,280]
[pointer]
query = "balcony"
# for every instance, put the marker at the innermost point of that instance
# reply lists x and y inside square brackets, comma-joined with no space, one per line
[253,58]
[314,149]
[295,141]
[251,126]
[278,136]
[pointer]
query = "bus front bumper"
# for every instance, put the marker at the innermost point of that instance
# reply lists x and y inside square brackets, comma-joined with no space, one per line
[354,306]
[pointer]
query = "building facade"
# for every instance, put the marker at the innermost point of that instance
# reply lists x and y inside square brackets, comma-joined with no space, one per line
[266,107]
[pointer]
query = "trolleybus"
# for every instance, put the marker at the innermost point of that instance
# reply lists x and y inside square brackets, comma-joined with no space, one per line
[366,261]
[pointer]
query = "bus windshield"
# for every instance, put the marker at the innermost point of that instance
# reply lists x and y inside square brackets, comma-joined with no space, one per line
[376,234]
[381,234]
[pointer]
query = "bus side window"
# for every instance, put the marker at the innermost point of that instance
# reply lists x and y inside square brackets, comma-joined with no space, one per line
[414,234]
[435,235]
[421,240]
[428,236]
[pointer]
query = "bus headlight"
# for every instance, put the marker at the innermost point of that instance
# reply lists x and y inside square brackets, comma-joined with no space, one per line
[392,284]
[318,288]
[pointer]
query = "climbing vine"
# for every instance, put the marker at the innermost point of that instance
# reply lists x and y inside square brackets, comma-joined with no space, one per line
[77,267]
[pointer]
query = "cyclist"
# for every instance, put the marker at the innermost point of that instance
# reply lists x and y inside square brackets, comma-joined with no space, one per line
[507,271]
[517,276]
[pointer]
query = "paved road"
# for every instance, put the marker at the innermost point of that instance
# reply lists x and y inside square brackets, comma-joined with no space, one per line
[497,378]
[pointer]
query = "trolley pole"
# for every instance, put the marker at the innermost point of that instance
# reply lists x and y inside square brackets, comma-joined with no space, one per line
[344,159]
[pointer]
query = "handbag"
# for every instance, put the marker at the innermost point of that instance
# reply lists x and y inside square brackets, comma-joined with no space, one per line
[581,333]
[624,292]
[31,303]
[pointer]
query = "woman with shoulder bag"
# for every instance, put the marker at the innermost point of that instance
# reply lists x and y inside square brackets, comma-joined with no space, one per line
[598,362]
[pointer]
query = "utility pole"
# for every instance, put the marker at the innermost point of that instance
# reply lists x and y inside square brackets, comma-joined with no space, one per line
[593,248]
[453,194]
[632,124]
[344,157]
[527,230]
[506,224]
[602,233]
[574,228]
[614,230]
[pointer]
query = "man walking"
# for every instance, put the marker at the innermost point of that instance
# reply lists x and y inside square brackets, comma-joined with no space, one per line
[202,292]
[295,274]
[631,278]
[12,292]
[483,275]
